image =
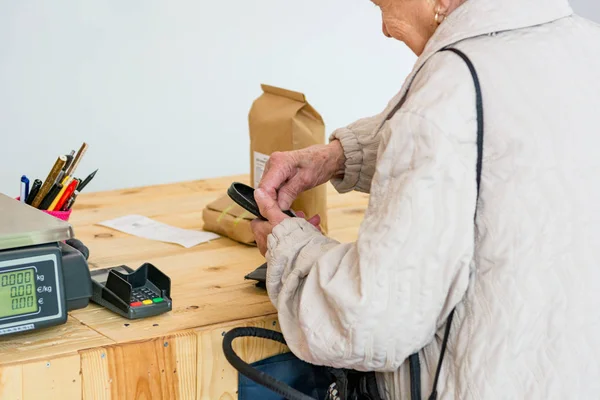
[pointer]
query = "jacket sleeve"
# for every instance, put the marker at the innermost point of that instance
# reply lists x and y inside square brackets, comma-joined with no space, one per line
[368,305]
[360,141]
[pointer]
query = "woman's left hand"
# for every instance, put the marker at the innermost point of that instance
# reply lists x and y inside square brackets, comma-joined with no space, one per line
[270,210]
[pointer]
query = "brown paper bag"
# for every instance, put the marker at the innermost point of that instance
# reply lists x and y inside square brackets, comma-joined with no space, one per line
[282,120]
[226,218]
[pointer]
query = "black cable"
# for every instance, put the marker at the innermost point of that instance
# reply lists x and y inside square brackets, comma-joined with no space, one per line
[252,373]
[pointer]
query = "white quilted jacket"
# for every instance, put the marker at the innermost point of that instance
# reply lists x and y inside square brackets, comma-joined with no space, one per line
[525,279]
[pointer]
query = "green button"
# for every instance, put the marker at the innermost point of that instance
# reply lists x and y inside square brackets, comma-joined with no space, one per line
[158,299]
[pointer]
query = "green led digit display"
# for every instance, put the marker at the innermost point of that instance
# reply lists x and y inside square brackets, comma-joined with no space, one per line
[17,293]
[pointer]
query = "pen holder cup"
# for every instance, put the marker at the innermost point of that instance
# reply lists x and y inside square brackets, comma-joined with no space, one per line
[63,215]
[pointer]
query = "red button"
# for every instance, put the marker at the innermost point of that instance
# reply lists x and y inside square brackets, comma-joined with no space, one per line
[136,304]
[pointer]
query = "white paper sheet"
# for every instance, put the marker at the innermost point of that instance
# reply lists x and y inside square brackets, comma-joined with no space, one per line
[147,228]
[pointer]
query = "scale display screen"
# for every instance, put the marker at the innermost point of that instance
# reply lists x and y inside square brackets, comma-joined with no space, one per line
[17,292]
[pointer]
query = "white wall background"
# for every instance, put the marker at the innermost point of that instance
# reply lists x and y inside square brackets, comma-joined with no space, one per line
[587,8]
[160,90]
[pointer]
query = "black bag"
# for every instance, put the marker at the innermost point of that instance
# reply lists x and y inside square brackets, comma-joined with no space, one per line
[347,384]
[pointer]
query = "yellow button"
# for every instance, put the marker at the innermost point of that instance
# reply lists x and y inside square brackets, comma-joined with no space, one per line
[146,302]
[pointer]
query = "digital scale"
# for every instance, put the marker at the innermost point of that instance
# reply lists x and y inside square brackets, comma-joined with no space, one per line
[41,277]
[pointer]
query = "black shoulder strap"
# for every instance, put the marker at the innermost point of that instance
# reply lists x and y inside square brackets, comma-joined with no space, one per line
[479,106]
[413,360]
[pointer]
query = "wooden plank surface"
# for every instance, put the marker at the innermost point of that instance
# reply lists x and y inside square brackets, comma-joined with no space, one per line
[49,343]
[96,381]
[11,382]
[56,379]
[161,368]
[208,285]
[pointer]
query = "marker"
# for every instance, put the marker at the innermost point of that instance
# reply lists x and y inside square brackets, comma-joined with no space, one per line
[87,180]
[65,196]
[49,198]
[35,188]
[24,188]
[50,179]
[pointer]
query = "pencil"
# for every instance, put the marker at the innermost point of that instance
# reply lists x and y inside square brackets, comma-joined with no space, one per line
[87,180]
[76,160]
[49,182]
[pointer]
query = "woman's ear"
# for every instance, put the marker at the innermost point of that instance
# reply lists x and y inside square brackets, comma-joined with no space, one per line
[441,9]
[442,6]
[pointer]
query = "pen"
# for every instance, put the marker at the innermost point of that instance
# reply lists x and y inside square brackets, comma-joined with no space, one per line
[87,180]
[70,202]
[70,157]
[35,188]
[49,198]
[24,188]
[50,179]
[65,184]
[60,176]
[77,159]
[65,196]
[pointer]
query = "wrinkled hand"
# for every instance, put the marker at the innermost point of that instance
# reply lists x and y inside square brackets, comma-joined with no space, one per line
[269,209]
[287,174]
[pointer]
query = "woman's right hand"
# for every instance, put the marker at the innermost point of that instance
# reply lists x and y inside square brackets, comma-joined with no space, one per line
[287,174]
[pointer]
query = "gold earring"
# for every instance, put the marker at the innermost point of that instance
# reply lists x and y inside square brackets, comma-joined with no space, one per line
[439,16]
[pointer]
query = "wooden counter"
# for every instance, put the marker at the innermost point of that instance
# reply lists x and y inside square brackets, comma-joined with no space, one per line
[99,355]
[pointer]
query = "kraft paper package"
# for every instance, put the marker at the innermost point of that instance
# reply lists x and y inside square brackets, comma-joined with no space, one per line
[282,120]
[226,218]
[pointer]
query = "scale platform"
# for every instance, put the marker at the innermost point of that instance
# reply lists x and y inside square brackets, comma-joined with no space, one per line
[22,225]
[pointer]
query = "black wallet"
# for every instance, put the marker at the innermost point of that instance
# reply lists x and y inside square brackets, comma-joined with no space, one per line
[259,275]
[243,195]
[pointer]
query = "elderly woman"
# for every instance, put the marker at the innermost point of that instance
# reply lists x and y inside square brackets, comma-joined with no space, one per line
[523,278]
